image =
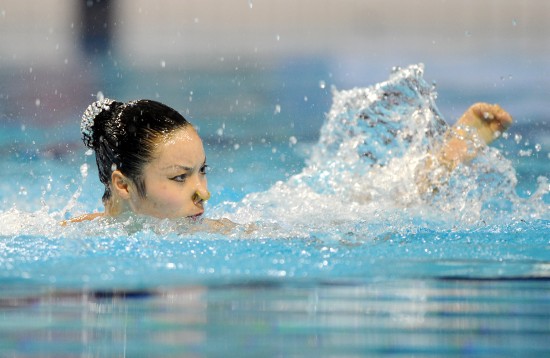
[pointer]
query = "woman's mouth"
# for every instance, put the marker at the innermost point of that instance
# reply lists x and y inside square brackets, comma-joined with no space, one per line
[196,216]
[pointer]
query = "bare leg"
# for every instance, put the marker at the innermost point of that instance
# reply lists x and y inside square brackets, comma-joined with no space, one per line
[481,124]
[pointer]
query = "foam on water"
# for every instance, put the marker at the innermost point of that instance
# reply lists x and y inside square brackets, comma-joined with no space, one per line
[365,167]
[362,173]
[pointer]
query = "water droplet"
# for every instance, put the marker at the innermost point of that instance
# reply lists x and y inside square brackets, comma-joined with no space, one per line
[322,84]
[305,98]
[250,4]
[517,138]
[89,152]
[99,96]
[277,109]
[84,170]
[37,102]
[236,146]
[525,153]
[514,22]
[219,132]
[162,63]
[278,37]
[292,140]
[538,147]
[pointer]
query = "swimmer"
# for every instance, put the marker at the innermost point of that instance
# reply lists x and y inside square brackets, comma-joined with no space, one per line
[152,162]
[150,159]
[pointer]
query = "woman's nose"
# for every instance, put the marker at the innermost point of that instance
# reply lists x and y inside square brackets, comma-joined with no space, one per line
[202,195]
[201,192]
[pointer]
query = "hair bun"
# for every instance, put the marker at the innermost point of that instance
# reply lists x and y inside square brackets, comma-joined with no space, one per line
[87,123]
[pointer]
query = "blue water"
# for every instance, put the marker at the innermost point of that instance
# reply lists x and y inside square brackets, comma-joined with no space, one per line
[334,256]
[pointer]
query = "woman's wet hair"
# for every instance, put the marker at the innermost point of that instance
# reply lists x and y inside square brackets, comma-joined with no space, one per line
[123,136]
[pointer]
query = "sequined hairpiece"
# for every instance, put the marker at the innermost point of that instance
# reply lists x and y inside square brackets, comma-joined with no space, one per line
[88,119]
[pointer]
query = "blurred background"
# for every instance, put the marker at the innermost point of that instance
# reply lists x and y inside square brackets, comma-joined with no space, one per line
[263,70]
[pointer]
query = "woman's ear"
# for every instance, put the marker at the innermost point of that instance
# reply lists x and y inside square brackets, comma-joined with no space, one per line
[121,184]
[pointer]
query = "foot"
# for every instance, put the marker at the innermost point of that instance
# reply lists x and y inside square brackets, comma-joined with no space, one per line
[481,124]
[490,120]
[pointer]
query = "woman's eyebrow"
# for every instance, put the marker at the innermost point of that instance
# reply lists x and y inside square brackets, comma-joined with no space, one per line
[182,167]
[176,166]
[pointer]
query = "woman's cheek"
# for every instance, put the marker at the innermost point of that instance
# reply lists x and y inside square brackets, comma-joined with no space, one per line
[169,197]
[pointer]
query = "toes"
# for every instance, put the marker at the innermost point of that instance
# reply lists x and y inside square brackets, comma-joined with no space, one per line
[491,113]
[502,118]
[488,116]
[484,111]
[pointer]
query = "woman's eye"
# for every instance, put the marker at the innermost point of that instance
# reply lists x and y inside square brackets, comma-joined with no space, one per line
[205,169]
[179,178]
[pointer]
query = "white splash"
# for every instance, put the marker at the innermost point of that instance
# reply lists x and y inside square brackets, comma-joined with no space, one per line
[365,164]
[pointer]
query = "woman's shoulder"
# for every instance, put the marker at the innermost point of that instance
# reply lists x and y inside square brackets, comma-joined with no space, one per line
[85,217]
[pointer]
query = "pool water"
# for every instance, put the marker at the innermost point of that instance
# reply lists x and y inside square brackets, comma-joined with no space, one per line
[335,255]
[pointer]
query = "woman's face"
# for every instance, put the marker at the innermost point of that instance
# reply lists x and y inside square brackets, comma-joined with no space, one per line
[175,178]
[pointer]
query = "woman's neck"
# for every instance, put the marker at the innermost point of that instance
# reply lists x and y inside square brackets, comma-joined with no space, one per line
[115,206]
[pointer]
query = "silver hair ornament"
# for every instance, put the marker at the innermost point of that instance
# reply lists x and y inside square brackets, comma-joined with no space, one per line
[88,119]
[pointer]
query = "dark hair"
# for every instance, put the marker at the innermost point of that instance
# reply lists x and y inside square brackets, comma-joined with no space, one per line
[123,136]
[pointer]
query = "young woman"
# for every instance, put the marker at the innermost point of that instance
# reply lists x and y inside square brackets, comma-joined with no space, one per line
[152,161]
